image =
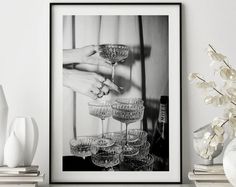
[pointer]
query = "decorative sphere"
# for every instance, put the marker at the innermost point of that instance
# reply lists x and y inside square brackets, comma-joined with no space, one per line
[229,162]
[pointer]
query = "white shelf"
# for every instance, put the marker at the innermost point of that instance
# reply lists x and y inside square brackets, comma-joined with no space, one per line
[123,185]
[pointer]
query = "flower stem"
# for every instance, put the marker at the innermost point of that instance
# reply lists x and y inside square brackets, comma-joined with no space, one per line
[216,52]
[220,126]
[215,133]
[203,80]
[224,122]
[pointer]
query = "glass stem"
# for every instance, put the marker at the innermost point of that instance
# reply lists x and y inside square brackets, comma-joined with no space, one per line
[126,143]
[113,73]
[102,129]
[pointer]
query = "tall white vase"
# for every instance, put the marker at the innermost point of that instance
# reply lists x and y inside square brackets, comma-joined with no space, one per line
[26,131]
[12,151]
[3,123]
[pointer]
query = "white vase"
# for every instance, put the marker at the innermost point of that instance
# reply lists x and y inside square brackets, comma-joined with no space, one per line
[229,162]
[26,131]
[3,123]
[12,151]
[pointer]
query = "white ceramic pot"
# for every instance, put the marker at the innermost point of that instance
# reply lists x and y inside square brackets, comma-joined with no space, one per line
[229,162]
[12,151]
[3,123]
[26,131]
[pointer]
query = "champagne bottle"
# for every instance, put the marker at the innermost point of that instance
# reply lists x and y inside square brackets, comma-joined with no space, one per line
[160,141]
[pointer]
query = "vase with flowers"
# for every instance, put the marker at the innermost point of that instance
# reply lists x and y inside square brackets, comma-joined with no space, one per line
[220,96]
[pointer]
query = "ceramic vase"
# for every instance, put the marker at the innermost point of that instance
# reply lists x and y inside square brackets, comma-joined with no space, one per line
[26,131]
[229,162]
[3,123]
[12,151]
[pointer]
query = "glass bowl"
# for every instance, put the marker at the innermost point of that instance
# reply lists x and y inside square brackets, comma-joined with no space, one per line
[133,164]
[143,150]
[117,137]
[100,109]
[106,157]
[126,113]
[146,164]
[113,53]
[104,142]
[81,146]
[131,101]
[142,137]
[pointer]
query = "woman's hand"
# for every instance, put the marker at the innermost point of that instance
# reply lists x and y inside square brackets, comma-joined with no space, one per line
[88,83]
[84,55]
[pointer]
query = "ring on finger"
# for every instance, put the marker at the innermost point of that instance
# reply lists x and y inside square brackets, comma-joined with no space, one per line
[99,85]
[100,94]
[105,89]
[102,81]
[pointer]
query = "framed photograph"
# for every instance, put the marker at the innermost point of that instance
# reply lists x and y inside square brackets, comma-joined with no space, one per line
[115,93]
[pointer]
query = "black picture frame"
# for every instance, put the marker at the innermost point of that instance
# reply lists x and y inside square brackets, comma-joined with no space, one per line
[51,5]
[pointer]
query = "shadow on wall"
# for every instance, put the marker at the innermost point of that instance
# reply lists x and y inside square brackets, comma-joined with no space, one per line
[134,57]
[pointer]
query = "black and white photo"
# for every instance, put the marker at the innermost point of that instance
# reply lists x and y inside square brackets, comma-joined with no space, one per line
[115,96]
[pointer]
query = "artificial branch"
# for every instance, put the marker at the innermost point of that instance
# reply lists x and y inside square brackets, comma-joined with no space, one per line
[215,133]
[214,88]
[223,60]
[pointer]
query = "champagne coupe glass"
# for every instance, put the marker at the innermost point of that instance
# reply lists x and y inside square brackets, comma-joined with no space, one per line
[117,137]
[141,137]
[143,150]
[134,164]
[127,114]
[80,146]
[105,156]
[113,53]
[130,101]
[102,110]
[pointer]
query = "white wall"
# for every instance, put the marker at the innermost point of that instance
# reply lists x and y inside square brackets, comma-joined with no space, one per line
[24,63]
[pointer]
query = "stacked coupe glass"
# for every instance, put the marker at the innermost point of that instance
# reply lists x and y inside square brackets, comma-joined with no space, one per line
[127,150]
